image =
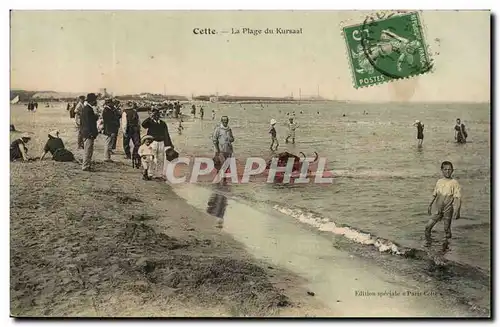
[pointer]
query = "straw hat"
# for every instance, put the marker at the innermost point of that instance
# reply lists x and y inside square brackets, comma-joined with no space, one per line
[26,136]
[273,121]
[417,121]
[146,137]
[54,133]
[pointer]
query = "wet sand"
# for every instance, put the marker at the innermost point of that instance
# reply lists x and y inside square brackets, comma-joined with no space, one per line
[107,243]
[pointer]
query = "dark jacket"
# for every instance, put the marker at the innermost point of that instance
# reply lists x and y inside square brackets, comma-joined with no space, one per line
[110,120]
[158,130]
[88,122]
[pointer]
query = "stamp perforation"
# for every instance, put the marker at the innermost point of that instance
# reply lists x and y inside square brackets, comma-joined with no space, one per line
[422,48]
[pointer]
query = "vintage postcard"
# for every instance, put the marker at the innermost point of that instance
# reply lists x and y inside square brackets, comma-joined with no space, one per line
[250,163]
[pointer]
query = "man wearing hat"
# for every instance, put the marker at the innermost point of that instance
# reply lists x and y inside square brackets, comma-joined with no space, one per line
[147,154]
[110,129]
[88,127]
[131,129]
[420,132]
[78,114]
[223,140]
[158,129]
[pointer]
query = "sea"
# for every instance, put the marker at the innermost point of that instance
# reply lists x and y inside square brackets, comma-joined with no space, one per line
[376,205]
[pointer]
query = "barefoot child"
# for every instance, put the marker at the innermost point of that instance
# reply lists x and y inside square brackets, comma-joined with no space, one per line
[180,127]
[447,197]
[147,157]
[274,139]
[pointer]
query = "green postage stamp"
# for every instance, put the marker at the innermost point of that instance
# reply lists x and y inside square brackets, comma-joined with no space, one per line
[386,47]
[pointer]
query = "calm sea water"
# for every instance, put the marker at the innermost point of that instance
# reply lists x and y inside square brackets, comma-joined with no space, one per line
[384,182]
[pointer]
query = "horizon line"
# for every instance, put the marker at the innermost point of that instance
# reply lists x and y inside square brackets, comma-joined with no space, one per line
[308,98]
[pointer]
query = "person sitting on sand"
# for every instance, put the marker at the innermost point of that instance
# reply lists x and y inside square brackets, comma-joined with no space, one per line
[146,152]
[56,148]
[18,149]
[447,196]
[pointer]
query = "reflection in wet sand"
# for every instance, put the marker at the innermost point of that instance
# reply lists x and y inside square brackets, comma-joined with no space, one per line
[217,204]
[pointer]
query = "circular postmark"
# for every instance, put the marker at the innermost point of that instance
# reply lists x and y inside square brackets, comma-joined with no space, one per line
[393,44]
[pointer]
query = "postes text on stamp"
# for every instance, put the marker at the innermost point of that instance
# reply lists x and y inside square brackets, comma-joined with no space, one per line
[382,49]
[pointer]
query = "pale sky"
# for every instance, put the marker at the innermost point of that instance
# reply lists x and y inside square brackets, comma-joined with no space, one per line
[141,51]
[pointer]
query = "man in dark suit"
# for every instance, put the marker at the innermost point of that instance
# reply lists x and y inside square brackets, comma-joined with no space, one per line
[111,125]
[88,127]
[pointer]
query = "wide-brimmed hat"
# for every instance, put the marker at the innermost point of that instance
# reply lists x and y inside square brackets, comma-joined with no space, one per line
[146,137]
[54,133]
[91,97]
[26,136]
[273,121]
[417,121]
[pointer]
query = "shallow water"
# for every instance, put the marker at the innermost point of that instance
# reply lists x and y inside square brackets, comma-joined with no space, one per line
[346,284]
[383,181]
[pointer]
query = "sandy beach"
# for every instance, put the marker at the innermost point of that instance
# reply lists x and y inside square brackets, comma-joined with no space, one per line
[109,244]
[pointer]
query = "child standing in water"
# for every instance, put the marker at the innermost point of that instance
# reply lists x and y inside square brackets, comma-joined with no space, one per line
[274,139]
[447,197]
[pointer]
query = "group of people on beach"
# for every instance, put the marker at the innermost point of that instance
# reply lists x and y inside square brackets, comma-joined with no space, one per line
[54,145]
[291,125]
[148,151]
[151,150]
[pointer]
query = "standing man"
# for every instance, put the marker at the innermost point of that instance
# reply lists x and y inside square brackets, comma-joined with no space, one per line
[110,128]
[131,129]
[78,113]
[88,128]
[223,139]
[118,114]
[158,129]
[420,132]
[202,112]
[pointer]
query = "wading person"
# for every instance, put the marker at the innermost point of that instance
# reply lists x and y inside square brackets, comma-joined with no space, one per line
[147,157]
[274,138]
[460,133]
[78,114]
[292,126]
[131,129]
[111,124]
[88,127]
[202,112]
[420,132]
[447,199]
[223,140]
[158,129]
[18,148]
